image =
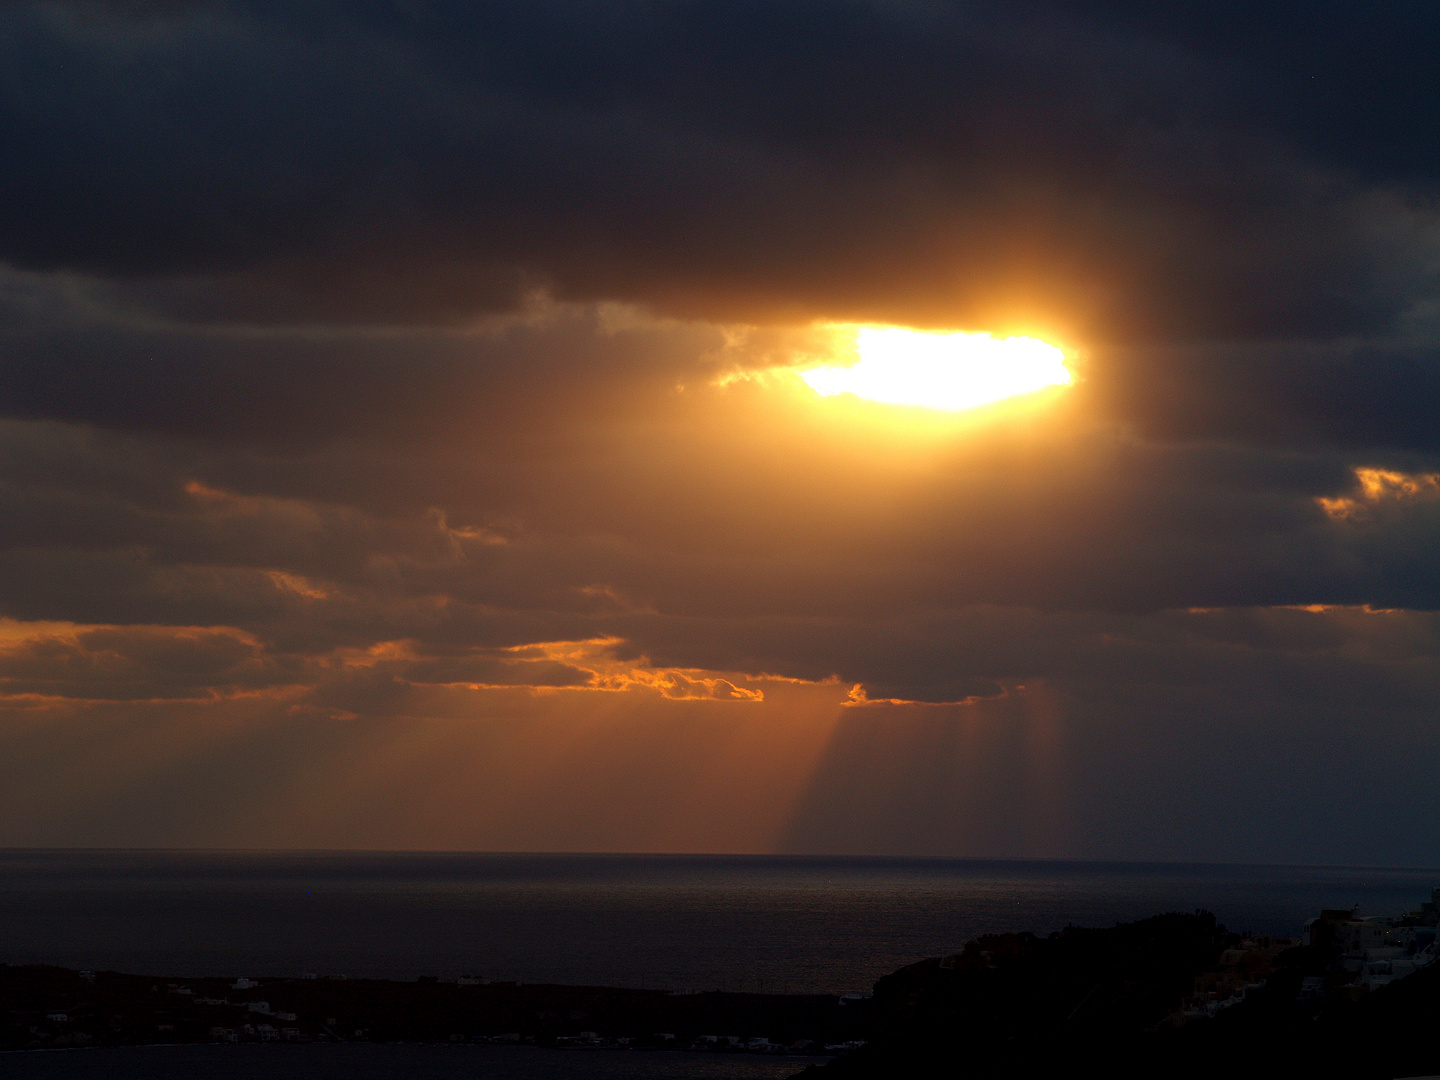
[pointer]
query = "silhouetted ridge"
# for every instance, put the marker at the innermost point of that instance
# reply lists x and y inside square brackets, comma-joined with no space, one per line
[1109,1001]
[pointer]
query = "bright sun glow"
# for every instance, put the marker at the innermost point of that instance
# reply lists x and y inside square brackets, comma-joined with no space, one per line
[941,371]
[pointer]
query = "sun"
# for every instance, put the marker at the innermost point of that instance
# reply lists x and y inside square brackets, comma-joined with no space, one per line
[942,371]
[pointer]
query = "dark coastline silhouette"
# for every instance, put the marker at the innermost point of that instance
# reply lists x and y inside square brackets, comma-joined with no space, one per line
[1111,1002]
[1174,995]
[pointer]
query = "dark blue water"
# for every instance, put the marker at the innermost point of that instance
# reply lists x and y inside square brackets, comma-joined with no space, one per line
[773,923]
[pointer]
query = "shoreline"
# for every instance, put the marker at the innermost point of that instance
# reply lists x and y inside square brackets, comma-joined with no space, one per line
[49,1007]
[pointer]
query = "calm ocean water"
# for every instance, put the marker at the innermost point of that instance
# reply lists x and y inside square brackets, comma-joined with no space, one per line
[772,923]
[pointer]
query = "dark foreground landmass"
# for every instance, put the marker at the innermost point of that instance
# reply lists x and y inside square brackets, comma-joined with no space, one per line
[386,1061]
[50,1007]
[1114,1002]
[1176,995]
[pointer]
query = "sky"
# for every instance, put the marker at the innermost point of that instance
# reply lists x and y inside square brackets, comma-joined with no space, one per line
[403,443]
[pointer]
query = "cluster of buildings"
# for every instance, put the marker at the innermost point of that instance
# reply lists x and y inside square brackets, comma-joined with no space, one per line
[253,1032]
[1377,949]
[1242,969]
[1365,953]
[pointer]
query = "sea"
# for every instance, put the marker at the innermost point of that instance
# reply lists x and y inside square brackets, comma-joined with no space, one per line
[768,924]
[754,923]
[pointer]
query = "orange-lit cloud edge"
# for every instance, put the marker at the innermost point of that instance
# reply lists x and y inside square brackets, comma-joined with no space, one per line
[48,664]
[1376,488]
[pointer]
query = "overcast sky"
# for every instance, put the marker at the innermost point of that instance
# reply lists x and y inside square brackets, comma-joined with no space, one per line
[400,443]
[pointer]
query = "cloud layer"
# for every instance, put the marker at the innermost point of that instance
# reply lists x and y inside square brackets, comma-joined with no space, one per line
[1097,166]
[430,368]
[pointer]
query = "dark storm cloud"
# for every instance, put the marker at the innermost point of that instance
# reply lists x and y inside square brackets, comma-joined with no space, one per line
[918,591]
[775,524]
[1375,397]
[1244,194]
[1107,167]
[1338,658]
[69,355]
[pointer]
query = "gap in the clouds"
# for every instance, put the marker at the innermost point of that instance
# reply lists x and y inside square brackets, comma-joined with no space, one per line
[947,371]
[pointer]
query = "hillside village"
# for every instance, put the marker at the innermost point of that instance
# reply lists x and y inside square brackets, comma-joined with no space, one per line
[1366,951]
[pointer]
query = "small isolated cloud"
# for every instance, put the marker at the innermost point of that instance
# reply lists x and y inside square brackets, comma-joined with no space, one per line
[1379,487]
[863,696]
